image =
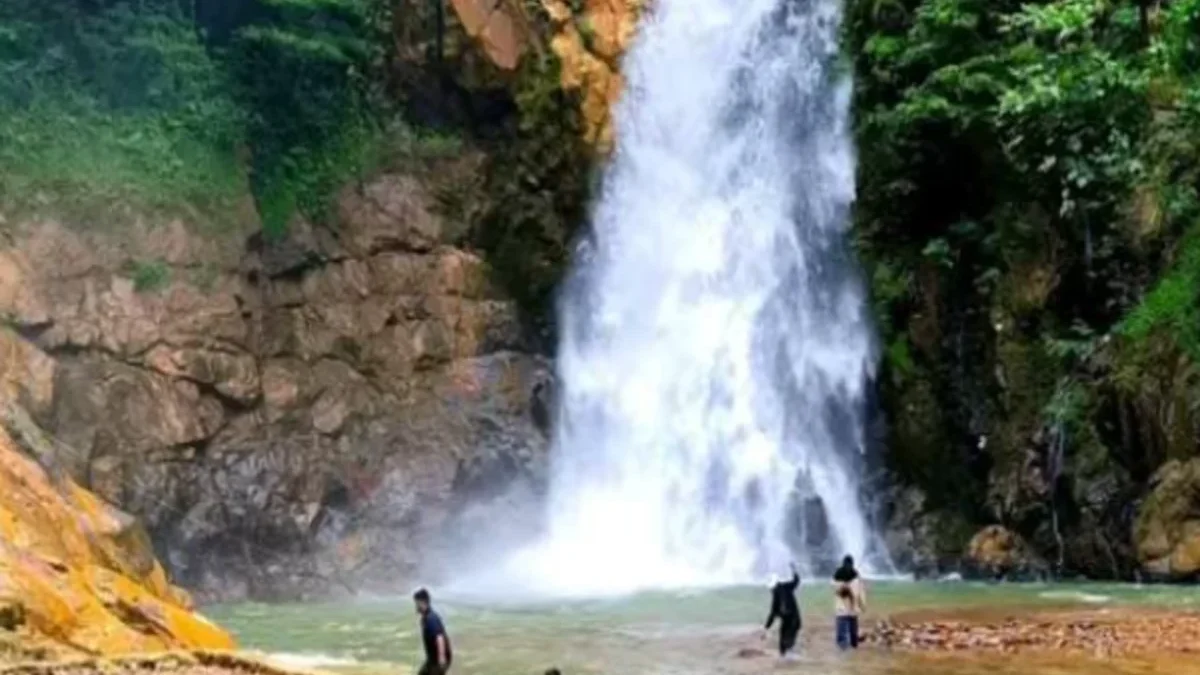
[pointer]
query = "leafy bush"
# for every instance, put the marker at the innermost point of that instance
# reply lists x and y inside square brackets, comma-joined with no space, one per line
[1027,202]
[538,190]
[124,103]
[1174,303]
[112,106]
[303,68]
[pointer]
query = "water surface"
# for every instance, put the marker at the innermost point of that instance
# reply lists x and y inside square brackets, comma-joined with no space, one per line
[685,633]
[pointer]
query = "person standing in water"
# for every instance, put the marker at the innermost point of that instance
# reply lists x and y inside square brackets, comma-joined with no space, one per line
[850,600]
[433,636]
[785,608]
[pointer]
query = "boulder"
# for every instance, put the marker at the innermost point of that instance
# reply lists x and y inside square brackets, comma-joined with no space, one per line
[105,407]
[500,28]
[77,576]
[995,552]
[1166,532]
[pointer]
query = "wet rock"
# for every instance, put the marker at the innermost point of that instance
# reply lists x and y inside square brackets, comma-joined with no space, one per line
[929,543]
[589,45]
[996,552]
[1167,530]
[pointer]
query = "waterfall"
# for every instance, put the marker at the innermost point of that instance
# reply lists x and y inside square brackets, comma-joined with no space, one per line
[715,343]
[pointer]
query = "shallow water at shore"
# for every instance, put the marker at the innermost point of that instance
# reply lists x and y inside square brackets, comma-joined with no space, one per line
[689,633]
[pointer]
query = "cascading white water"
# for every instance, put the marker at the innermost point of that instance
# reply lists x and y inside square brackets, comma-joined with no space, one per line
[715,346]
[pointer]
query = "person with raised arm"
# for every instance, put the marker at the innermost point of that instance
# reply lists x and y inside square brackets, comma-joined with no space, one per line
[785,608]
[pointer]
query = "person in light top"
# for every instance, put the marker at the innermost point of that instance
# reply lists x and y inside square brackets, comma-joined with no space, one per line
[850,600]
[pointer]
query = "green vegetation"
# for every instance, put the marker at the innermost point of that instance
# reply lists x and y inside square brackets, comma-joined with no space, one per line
[136,104]
[111,106]
[541,198]
[149,276]
[304,69]
[1028,207]
[1174,303]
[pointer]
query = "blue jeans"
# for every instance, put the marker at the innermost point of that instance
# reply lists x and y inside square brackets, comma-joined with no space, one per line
[847,632]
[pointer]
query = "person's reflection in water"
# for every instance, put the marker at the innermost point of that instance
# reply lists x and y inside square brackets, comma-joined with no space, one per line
[785,608]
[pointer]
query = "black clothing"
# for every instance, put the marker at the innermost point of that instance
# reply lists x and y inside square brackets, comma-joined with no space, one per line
[783,600]
[789,629]
[784,607]
[431,628]
[845,575]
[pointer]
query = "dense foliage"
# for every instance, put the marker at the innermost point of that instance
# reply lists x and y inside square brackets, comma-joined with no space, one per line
[160,103]
[107,103]
[113,106]
[1030,212]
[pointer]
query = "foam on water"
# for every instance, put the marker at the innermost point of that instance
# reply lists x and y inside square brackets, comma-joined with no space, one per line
[715,344]
[1076,596]
[302,661]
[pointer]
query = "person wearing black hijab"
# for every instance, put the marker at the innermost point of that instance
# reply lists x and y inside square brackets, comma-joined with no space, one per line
[787,610]
[850,600]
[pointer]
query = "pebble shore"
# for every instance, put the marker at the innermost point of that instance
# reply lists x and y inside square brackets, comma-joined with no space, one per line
[1105,634]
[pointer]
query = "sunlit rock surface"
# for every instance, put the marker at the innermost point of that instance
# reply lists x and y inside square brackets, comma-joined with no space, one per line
[78,576]
[588,38]
[1167,531]
[590,44]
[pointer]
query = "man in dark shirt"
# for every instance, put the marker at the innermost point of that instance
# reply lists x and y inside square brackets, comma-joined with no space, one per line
[433,637]
[784,607]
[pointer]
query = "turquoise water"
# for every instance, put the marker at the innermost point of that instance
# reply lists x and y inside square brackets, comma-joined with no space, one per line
[685,633]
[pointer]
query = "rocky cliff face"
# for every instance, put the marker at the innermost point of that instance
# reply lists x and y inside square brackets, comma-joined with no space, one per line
[77,577]
[285,415]
[587,39]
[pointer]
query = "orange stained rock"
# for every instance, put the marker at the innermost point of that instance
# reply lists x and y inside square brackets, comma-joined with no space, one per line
[589,45]
[80,576]
[498,27]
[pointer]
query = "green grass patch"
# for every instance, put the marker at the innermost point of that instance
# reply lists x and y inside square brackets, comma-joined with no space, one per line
[70,159]
[1174,304]
[148,276]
